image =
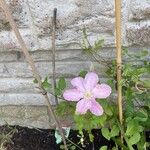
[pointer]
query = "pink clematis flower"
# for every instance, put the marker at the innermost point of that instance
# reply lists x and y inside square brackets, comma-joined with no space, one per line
[86,91]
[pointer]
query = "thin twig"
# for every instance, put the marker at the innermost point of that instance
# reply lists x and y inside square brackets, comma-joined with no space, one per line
[74,144]
[32,65]
[54,51]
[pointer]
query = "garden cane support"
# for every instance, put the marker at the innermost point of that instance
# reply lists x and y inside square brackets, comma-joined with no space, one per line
[32,65]
[118,52]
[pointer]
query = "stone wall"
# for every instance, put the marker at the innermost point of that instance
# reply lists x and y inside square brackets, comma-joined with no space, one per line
[19,101]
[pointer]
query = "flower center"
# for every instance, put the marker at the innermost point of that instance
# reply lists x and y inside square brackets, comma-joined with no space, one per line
[88,95]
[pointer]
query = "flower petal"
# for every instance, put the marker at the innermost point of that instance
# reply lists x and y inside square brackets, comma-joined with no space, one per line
[73,95]
[78,83]
[90,81]
[101,91]
[96,108]
[82,106]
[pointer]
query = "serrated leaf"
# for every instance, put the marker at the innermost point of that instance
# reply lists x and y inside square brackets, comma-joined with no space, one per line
[106,133]
[134,139]
[62,83]
[103,148]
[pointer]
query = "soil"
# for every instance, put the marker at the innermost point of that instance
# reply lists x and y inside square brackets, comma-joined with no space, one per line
[39,139]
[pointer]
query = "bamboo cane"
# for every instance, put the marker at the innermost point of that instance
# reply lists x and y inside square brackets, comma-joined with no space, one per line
[119,59]
[32,65]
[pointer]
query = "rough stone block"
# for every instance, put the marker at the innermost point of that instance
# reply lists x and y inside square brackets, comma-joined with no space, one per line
[97,17]
[9,42]
[26,86]
[140,9]
[8,56]
[17,85]
[20,12]
[138,33]
[67,69]
[21,99]
[31,116]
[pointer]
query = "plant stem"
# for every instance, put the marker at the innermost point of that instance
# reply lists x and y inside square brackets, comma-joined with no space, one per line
[74,144]
[54,52]
[32,65]
[120,144]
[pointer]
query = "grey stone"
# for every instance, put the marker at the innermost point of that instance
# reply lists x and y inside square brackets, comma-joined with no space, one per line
[97,17]
[25,86]
[16,85]
[8,56]
[20,14]
[21,99]
[31,116]
[138,33]
[140,9]
[67,69]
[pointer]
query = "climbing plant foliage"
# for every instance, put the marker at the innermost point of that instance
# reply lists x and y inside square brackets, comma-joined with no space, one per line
[136,98]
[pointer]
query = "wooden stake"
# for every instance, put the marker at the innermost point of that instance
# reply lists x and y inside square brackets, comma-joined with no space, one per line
[119,58]
[32,65]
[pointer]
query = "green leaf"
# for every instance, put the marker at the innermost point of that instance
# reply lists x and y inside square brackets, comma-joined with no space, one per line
[134,139]
[144,53]
[62,83]
[62,147]
[101,120]
[73,147]
[107,108]
[58,92]
[91,137]
[103,148]
[114,131]
[35,81]
[83,73]
[146,83]
[46,84]
[106,133]
[98,45]
[141,115]
[132,127]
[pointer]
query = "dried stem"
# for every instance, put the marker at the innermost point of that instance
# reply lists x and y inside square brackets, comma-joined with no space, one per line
[32,65]
[54,52]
